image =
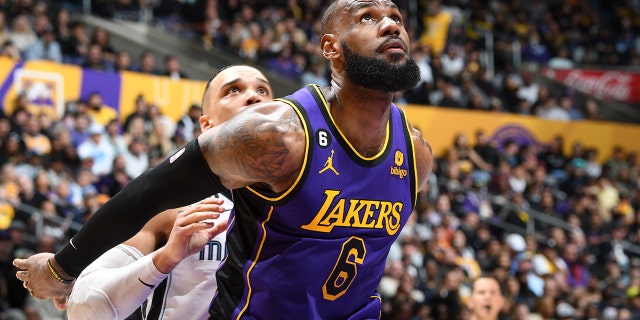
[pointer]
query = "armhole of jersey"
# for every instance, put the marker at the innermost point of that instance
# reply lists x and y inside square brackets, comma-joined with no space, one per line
[412,158]
[306,124]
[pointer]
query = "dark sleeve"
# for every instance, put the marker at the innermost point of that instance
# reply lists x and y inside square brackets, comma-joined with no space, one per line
[182,179]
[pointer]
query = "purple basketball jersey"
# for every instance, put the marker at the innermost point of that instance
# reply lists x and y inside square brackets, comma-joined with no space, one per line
[318,250]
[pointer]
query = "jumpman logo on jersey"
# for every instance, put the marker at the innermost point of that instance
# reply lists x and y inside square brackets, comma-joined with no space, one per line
[329,165]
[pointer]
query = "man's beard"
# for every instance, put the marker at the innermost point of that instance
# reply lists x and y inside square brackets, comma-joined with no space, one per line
[378,74]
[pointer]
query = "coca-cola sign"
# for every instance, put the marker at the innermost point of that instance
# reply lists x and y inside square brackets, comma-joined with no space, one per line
[615,85]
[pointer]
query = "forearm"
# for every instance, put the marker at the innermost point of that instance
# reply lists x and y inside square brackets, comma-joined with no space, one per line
[115,284]
[176,182]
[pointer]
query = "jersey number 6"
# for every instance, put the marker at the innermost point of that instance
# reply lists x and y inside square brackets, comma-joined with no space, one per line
[345,270]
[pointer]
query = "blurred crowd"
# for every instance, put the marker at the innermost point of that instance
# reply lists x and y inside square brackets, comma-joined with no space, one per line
[560,229]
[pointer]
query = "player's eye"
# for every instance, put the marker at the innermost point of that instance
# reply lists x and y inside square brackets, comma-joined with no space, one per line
[366,18]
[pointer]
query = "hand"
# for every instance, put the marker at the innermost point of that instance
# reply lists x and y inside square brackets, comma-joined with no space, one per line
[38,279]
[190,234]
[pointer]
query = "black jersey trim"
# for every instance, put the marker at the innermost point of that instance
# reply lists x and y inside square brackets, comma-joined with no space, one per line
[412,158]
[281,198]
[342,140]
[247,275]
[158,300]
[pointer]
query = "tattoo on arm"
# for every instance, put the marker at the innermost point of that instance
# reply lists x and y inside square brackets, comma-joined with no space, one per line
[258,150]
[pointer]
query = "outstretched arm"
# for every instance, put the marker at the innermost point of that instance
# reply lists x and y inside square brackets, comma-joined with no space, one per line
[118,282]
[262,144]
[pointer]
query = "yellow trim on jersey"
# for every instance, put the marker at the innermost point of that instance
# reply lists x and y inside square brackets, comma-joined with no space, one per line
[255,260]
[386,140]
[415,166]
[304,161]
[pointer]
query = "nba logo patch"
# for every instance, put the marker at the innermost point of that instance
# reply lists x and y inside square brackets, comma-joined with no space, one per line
[176,155]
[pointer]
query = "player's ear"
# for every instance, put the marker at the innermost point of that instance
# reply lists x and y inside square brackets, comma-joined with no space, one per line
[205,122]
[330,46]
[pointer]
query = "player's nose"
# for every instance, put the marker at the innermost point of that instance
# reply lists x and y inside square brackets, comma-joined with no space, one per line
[253,97]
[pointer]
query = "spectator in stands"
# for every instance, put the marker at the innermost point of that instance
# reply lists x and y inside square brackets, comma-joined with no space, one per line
[141,110]
[115,138]
[96,153]
[486,299]
[147,63]
[554,159]
[161,144]
[45,48]
[61,27]
[172,68]
[39,17]
[76,47]
[567,102]
[188,123]
[286,64]
[577,178]
[123,61]
[467,156]
[450,96]
[160,122]
[535,50]
[110,184]
[561,60]
[98,110]
[137,129]
[62,197]
[613,250]
[469,90]
[315,73]
[529,89]
[446,303]
[102,37]
[615,163]
[79,128]
[95,59]
[22,34]
[485,148]
[136,158]
[577,272]
[592,109]
[36,142]
[552,110]
[10,51]
[452,63]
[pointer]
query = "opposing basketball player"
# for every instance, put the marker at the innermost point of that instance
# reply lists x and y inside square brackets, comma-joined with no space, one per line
[120,281]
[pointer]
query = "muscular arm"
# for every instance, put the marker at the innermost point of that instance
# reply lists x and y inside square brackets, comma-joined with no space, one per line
[262,144]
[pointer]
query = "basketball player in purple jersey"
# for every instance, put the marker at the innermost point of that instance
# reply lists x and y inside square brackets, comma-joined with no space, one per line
[303,244]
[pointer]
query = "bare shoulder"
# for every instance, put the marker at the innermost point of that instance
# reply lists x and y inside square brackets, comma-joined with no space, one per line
[424,157]
[264,143]
[155,232]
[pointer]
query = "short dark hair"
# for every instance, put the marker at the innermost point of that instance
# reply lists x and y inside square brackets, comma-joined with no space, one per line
[329,15]
[485,275]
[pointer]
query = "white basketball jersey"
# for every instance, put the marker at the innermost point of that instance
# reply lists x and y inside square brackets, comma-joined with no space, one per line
[188,290]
